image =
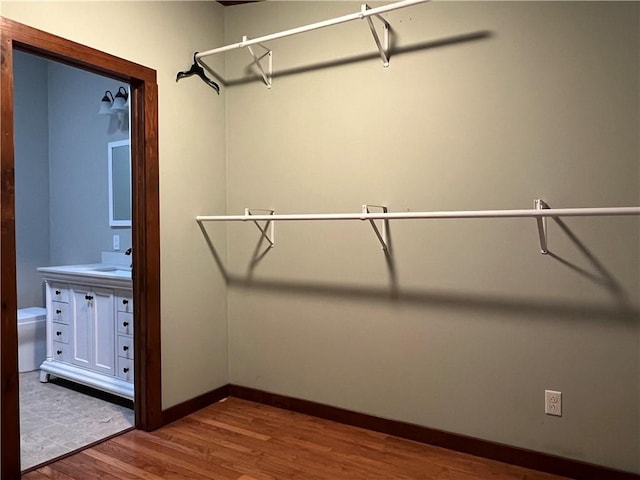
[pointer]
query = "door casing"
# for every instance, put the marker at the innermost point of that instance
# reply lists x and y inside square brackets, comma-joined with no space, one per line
[145,226]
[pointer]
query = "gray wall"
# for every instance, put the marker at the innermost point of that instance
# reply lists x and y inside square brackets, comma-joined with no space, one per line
[486,105]
[62,211]
[31,176]
[78,138]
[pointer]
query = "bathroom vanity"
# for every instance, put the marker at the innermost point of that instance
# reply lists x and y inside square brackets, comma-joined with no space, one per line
[90,326]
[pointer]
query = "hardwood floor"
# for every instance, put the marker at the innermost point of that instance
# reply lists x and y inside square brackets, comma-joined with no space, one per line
[240,440]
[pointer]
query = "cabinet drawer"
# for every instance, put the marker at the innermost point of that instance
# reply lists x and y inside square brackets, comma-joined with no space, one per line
[60,332]
[125,369]
[60,312]
[61,352]
[125,323]
[124,300]
[60,292]
[125,346]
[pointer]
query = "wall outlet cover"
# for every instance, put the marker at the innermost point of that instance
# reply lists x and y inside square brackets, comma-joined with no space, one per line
[553,402]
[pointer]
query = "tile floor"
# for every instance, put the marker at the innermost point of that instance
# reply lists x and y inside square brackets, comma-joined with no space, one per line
[55,419]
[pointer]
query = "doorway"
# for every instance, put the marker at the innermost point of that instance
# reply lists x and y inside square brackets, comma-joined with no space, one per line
[145,232]
[64,192]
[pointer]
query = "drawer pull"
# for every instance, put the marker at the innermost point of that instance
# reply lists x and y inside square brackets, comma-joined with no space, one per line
[88,297]
[58,312]
[58,292]
[125,369]
[125,348]
[58,333]
[125,324]
[125,301]
[59,352]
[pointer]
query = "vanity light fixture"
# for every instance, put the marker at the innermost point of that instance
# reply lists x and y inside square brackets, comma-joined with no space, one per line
[121,101]
[110,105]
[105,104]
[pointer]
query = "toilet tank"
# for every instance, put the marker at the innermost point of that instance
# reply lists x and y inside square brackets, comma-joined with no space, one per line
[32,338]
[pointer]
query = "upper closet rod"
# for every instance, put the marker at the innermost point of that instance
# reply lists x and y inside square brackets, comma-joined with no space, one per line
[534,213]
[364,13]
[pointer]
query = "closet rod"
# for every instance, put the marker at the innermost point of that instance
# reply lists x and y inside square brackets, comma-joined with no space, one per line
[364,13]
[534,213]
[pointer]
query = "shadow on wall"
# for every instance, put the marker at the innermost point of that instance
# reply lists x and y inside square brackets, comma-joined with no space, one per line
[620,310]
[603,277]
[253,75]
[494,304]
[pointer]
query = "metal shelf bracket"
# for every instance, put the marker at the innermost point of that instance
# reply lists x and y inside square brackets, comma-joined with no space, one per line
[381,234]
[267,230]
[383,47]
[257,61]
[542,225]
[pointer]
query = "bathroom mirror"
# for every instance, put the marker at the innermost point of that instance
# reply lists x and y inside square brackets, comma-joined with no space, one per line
[119,184]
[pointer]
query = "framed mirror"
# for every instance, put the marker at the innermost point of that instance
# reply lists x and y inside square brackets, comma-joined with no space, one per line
[119,183]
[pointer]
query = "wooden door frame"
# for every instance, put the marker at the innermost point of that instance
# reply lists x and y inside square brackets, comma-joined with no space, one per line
[145,229]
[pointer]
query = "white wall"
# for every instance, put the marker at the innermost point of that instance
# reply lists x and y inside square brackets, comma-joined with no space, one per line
[491,105]
[163,36]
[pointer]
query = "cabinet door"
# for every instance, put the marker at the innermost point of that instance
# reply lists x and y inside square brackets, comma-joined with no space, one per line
[81,331]
[93,328]
[104,338]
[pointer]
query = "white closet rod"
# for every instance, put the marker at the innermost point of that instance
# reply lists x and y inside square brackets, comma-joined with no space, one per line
[364,13]
[534,213]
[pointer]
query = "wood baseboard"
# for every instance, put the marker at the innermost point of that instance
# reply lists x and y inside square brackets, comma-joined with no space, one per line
[543,462]
[183,409]
[482,448]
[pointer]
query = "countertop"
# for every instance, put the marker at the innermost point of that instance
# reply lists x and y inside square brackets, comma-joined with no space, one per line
[93,270]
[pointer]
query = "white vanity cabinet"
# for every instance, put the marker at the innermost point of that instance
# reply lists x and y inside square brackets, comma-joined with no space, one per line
[89,329]
[93,333]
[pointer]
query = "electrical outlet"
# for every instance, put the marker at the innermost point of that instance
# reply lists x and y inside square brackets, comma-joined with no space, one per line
[116,242]
[553,403]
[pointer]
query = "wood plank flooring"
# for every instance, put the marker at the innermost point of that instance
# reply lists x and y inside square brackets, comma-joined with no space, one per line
[241,440]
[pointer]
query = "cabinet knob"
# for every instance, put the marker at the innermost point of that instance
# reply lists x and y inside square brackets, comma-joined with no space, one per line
[125,348]
[125,369]
[125,324]
[125,301]
[58,312]
[58,333]
[88,297]
[59,352]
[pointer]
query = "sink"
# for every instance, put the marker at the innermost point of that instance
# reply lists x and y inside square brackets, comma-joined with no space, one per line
[111,268]
[105,269]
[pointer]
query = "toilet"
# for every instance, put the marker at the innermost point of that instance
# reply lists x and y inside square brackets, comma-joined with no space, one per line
[32,338]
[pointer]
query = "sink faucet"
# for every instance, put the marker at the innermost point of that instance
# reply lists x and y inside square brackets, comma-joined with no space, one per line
[128,252]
